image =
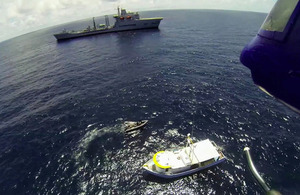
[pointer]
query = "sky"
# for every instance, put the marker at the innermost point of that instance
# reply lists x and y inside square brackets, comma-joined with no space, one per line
[23,16]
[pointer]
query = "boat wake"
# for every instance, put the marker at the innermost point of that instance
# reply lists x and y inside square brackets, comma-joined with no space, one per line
[92,151]
[92,135]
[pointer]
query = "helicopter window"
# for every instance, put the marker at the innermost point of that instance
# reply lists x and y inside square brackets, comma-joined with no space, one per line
[279,15]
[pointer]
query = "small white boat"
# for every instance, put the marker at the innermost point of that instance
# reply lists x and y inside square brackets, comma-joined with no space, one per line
[132,125]
[185,161]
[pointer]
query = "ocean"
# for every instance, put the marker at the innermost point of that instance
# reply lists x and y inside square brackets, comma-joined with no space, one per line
[63,105]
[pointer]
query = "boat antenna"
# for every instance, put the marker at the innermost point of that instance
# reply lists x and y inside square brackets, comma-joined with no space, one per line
[193,124]
[193,113]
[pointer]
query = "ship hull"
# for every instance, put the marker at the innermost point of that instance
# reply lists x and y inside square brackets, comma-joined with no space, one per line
[183,173]
[121,26]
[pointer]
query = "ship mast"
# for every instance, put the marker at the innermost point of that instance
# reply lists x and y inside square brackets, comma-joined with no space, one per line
[106,21]
[94,23]
[191,145]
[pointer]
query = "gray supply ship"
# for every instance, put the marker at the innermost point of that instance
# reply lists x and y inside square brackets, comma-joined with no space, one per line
[124,21]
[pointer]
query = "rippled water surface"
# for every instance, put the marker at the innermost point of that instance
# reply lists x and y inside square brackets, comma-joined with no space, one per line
[62,106]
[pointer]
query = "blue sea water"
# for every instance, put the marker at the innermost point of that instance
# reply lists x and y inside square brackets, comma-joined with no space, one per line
[62,105]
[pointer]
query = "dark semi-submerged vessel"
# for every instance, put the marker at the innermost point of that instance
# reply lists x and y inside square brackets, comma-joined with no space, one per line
[124,21]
